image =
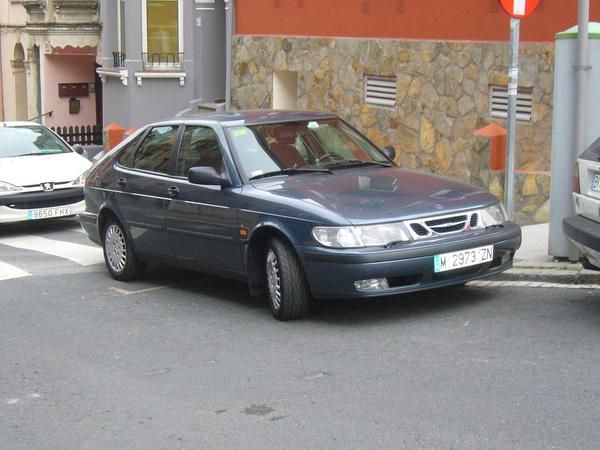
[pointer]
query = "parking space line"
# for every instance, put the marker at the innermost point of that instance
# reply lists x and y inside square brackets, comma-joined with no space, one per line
[141,291]
[81,254]
[8,272]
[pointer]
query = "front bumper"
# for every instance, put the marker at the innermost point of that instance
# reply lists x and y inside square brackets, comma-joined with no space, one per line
[584,233]
[29,206]
[409,267]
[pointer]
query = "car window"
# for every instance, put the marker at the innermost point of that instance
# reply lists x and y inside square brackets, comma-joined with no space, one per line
[310,144]
[29,140]
[199,147]
[251,153]
[154,152]
[127,152]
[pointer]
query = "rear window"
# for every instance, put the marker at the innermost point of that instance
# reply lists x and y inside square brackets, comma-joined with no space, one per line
[29,140]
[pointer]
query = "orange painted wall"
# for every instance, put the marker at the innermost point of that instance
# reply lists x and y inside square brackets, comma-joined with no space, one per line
[471,20]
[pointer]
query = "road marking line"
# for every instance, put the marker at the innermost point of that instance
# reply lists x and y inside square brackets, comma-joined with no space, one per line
[531,284]
[141,291]
[78,253]
[8,272]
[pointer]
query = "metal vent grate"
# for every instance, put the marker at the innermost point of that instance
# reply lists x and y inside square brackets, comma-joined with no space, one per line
[499,102]
[380,91]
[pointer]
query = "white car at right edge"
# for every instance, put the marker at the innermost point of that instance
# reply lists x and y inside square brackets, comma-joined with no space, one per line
[583,229]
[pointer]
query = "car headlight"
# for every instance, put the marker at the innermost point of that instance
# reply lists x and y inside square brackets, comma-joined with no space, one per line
[361,236]
[80,180]
[7,188]
[493,215]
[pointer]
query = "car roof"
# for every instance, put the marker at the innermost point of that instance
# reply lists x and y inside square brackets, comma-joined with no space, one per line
[252,117]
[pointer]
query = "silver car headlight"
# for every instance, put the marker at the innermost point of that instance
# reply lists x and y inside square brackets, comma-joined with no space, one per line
[7,188]
[361,236]
[80,180]
[493,215]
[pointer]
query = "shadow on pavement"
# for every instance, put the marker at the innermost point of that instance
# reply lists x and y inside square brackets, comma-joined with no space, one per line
[338,311]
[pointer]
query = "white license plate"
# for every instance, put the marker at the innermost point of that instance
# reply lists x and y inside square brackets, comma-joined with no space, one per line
[596,182]
[463,258]
[48,213]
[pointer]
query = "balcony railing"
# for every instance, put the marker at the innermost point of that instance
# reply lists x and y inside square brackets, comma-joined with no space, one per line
[118,59]
[162,61]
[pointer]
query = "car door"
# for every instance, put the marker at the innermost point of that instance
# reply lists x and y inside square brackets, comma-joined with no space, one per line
[141,183]
[202,220]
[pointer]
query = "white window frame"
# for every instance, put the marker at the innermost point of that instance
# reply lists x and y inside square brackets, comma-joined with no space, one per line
[120,26]
[179,27]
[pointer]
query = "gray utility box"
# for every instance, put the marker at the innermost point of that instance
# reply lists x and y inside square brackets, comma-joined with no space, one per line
[564,154]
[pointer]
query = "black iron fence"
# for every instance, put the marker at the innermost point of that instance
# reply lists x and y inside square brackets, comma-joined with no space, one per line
[83,135]
[118,59]
[158,61]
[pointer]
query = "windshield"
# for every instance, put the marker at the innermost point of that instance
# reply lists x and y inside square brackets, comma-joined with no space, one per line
[315,144]
[29,140]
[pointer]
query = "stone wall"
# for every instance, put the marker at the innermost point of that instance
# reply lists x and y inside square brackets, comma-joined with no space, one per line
[442,98]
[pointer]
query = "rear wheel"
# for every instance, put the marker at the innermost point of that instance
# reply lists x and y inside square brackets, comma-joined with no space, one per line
[287,289]
[120,259]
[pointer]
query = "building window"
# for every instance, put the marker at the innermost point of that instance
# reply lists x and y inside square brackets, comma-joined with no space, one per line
[162,34]
[499,103]
[380,91]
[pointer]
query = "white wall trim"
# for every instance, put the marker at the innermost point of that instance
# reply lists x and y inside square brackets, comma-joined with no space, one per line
[141,75]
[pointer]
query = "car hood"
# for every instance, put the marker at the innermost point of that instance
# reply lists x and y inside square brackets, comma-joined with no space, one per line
[371,195]
[31,170]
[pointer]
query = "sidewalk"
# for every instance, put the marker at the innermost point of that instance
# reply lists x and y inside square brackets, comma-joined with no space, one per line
[532,262]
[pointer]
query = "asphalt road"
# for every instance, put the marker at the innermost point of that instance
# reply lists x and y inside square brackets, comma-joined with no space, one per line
[182,360]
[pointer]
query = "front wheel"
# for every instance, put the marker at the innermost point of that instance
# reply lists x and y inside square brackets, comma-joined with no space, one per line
[287,289]
[121,261]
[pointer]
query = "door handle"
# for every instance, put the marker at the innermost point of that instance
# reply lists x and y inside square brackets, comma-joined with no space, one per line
[122,182]
[173,191]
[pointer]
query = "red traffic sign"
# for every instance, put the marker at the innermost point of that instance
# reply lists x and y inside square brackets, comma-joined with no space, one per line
[519,8]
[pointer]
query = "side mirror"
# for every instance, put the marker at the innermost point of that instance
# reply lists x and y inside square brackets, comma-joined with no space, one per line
[390,152]
[80,150]
[206,175]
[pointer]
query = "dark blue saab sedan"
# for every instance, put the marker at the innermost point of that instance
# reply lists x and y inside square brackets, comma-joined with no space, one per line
[299,205]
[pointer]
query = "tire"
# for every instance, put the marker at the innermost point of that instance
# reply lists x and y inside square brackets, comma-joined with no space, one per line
[120,259]
[287,289]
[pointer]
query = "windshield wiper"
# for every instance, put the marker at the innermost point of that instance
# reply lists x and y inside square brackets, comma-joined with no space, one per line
[356,162]
[290,171]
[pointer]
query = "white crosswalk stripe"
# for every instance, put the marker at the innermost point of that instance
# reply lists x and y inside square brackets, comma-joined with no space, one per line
[84,255]
[8,272]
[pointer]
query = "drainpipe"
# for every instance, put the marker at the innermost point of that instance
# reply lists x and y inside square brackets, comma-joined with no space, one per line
[229,15]
[1,84]
[581,72]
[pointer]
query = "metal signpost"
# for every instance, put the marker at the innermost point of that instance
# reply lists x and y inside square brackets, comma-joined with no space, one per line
[516,9]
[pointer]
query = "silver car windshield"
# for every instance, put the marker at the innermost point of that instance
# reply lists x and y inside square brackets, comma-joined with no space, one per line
[29,141]
[308,145]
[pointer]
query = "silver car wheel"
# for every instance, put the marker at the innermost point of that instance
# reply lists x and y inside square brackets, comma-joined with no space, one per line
[274,279]
[116,248]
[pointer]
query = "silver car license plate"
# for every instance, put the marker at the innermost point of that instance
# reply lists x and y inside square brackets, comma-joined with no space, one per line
[463,258]
[596,182]
[48,213]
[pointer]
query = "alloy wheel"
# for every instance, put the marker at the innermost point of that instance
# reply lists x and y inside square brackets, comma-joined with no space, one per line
[116,248]
[274,279]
